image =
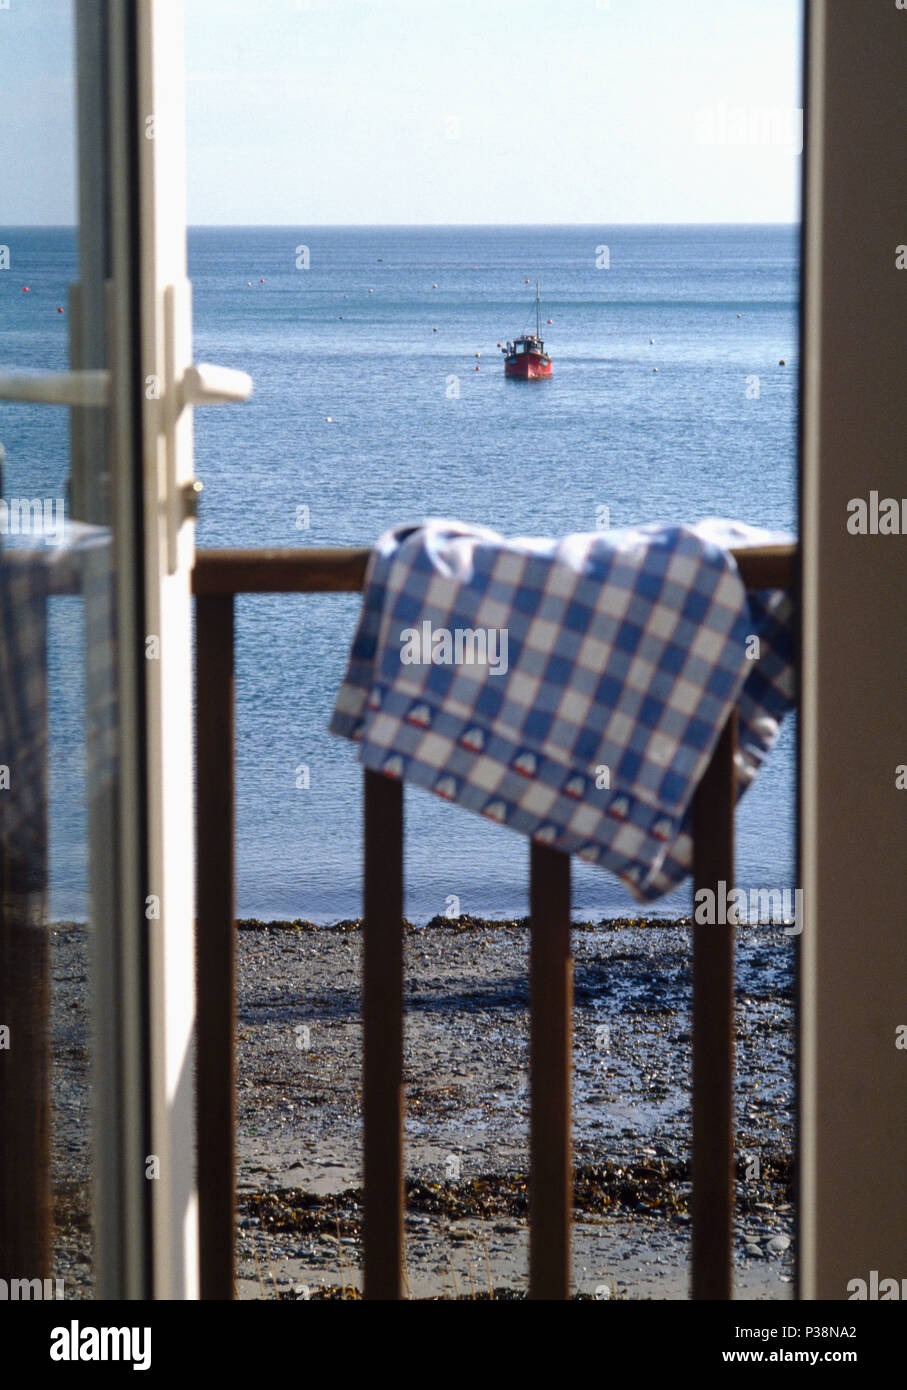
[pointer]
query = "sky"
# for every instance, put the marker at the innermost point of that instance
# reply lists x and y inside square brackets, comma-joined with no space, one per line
[309,112]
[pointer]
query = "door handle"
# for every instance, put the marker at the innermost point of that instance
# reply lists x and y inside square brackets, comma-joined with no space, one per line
[201,384]
[56,388]
[198,384]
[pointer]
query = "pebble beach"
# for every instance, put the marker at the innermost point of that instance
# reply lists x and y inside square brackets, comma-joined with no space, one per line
[467,1110]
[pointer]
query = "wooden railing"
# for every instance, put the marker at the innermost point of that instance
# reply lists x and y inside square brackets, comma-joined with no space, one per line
[219,576]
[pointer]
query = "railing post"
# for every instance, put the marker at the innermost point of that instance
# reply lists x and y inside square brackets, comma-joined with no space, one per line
[713,1028]
[550,1061]
[382,1066]
[25,1170]
[25,1198]
[216,947]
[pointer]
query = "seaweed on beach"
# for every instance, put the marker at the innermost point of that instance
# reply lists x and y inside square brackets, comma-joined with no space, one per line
[656,1187]
[465,922]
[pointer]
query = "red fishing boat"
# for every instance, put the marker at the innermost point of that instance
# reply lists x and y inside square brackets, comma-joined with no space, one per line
[526,356]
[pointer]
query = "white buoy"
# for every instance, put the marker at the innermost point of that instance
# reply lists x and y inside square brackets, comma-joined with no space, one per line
[329,419]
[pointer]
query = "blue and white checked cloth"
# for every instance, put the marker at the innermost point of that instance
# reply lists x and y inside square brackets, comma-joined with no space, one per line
[30,576]
[625,651]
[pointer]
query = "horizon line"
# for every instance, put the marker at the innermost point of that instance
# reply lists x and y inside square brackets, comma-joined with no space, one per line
[427,226]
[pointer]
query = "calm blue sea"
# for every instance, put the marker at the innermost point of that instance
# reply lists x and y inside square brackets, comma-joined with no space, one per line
[367,417]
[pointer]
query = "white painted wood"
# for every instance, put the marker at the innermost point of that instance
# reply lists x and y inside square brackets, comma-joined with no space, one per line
[204,384]
[196,385]
[146,1219]
[56,388]
[201,384]
[167,464]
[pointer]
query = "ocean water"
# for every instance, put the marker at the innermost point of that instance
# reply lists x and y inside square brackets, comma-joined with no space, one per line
[369,411]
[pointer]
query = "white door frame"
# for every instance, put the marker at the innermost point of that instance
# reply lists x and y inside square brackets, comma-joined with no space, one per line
[145,1207]
[169,553]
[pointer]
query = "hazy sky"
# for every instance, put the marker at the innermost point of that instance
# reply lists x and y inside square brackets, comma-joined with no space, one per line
[365,111]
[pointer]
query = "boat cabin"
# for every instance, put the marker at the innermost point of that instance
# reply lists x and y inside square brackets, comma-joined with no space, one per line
[530,343]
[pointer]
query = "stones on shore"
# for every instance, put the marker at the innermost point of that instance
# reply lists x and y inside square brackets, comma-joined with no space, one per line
[460,1231]
[467,1040]
[774,1245]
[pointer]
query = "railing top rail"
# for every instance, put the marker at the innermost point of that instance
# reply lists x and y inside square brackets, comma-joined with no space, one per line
[294,570]
[309,570]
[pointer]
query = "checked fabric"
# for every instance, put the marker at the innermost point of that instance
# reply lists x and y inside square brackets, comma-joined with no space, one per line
[625,652]
[30,577]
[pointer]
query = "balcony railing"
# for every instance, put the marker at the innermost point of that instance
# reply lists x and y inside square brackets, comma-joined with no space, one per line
[219,576]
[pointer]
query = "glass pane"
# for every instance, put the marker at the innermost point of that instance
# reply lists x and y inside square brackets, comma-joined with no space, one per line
[58,706]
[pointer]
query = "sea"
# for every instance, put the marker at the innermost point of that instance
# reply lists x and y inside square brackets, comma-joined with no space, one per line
[380,398]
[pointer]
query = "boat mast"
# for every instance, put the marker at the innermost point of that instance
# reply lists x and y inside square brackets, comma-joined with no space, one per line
[538,321]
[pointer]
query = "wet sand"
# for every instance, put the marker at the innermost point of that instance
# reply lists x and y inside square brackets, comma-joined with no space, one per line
[467,1108]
